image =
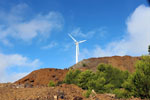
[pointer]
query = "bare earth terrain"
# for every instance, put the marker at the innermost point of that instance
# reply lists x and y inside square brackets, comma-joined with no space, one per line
[121,62]
[34,85]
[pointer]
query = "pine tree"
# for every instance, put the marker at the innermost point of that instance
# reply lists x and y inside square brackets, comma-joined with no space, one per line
[149,49]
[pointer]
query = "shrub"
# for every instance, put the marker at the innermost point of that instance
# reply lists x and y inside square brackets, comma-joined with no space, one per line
[108,88]
[84,65]
[72,76]
[84,78]
[100,82]
[112,75]
[51,84]
[87,93]
[122,93]
[149,49]
[139,81]
[59,83]
[106,78]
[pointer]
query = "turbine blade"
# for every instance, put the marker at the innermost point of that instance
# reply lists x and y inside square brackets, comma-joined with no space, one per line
[72,38]
[82,41]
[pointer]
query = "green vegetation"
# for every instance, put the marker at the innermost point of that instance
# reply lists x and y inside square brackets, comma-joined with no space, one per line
[149,49]
[72,76]
[108,79]
[138,83]
[87,93]
[59,83]
[51,84]
[84,78]
[84,65]
[122,93]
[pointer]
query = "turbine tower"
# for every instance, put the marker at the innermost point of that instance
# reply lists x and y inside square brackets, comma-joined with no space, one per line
[77,47]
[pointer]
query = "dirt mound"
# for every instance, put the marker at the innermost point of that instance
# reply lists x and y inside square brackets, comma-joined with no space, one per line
[42,77]
[62,92]
[123,63]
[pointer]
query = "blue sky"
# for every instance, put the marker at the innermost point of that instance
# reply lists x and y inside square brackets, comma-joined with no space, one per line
[34,33]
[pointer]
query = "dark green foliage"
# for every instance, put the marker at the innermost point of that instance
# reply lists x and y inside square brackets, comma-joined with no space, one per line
[51,84]
[99,85]
[139,82]
[106,79]
[59,83]
[149,49]
[72,76]
[84,65]
[113,76]
[122,93]
[84,78]
[87,93]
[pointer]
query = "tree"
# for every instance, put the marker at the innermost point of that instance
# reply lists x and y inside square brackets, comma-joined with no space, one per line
[84,78]
[113,76]
[139,82]
[72,76]
[149,49]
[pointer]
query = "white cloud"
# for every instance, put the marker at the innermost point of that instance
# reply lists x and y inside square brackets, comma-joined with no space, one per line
[15,14]
[51,45]
[100,32]
[16,26]
[14,77]
[15,60]
[134,43]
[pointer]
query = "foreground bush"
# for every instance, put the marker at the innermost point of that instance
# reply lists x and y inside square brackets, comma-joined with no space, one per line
[106,79]
[112,75]
[122,93]
[139,82]
[72,76]
[87,93]
[51,84]
[84,78]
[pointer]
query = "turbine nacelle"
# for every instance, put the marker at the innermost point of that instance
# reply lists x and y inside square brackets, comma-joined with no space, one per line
[76,42]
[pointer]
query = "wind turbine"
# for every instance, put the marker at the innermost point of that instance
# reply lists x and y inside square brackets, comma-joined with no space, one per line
[77,47]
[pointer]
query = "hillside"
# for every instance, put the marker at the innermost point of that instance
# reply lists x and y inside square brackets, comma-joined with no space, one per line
[34,85]
[42,77]
[121,62]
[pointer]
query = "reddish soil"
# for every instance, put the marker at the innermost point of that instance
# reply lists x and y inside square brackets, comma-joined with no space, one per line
[62,92]
[43,76]
[123,63]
